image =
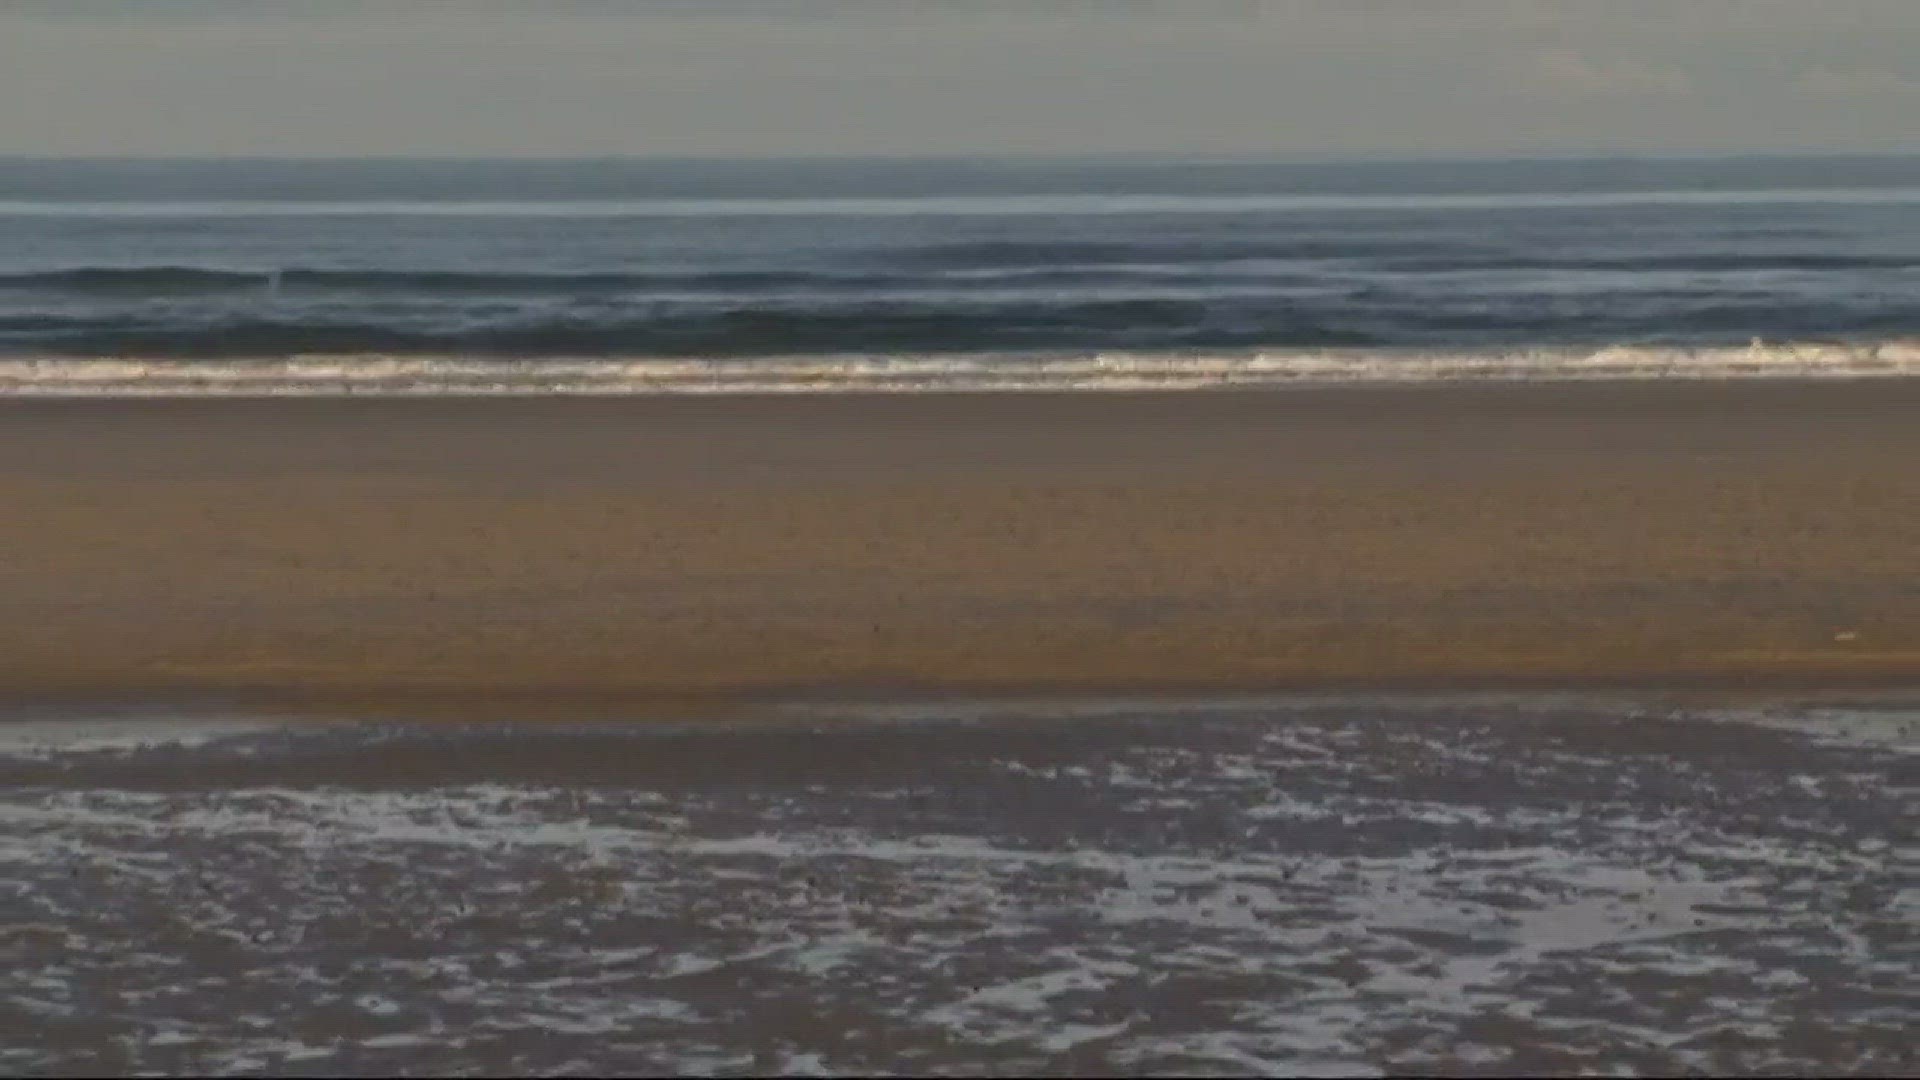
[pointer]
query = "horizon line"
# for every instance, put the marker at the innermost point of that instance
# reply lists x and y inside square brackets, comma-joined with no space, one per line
[1001,159]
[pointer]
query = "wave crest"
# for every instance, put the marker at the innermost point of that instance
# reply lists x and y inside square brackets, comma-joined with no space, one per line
[390,375]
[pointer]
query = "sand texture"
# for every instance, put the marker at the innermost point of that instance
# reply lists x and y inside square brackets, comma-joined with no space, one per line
[427,556]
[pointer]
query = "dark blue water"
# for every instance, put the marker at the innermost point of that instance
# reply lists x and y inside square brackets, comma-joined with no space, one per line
[733,264]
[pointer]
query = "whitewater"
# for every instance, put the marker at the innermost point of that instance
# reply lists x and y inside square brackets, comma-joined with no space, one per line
[322,376]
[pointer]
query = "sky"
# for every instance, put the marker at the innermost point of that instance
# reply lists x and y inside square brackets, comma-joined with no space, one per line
[1237,79]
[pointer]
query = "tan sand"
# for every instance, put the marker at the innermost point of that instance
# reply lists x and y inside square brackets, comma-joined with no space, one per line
[452,556]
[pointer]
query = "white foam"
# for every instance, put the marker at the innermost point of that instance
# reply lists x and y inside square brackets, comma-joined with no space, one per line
[44,738]
[388,375]
[1890,730]
[1345,941]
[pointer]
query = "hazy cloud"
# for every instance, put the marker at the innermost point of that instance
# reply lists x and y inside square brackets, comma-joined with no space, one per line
[1870,83]
[1246,78]
[1623,77]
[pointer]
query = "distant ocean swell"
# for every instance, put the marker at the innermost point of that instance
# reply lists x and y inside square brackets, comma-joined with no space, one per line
[667,329]
[942,265]
[419,375]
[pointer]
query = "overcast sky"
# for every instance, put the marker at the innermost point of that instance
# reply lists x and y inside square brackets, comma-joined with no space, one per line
[1290,79]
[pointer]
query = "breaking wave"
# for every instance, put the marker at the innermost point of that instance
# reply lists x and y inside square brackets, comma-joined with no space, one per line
[415,375]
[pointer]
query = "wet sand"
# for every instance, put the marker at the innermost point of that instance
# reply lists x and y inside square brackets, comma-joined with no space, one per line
[1269,888]
[501,557]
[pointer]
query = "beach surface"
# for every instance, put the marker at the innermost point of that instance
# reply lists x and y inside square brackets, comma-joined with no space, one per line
[471,557]
[1354,887]
[961,741]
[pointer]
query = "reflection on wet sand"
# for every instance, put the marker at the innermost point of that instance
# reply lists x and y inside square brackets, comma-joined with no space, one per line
[1325,887]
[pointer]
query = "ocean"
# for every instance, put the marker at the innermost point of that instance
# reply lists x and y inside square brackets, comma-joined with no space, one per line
[635,277]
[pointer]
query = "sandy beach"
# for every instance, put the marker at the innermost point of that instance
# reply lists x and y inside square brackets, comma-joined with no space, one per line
[467,556]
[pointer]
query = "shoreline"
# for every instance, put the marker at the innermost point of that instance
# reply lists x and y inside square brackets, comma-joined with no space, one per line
[1152,399]
[680,555]
[868,704]
[989,371]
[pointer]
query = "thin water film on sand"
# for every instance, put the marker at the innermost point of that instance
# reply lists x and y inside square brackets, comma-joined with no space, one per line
[1488,888]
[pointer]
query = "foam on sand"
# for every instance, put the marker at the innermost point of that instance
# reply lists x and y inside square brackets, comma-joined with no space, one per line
[52,738]
[1343,889]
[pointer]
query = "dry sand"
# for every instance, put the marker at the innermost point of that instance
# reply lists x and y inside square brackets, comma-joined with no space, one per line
[613,555]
